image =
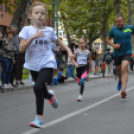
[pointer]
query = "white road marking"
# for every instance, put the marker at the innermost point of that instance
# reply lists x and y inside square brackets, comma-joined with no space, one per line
[49,124]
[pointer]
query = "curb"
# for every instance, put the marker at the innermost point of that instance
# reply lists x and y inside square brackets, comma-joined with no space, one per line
[28,87]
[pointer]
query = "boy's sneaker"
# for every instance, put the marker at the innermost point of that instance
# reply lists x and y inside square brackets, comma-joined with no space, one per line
[119,86]
[54,102]
[4,86]
[79,98]
[9,86]
[123,94]
[37,123]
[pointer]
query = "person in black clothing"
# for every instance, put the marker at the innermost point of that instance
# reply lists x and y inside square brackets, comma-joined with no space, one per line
[59,56]
[20,72]
[132,63]
[1,36]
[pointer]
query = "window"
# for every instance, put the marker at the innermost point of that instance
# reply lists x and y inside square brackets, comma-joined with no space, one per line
[5,6]
[64,35]
[0,7]
[60,33]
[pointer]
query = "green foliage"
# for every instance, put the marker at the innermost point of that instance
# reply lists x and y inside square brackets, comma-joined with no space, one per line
[81,18]
[25,72]
[9,5]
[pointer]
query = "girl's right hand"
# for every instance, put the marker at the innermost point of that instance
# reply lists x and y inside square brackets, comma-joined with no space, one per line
[38,34]
[117,46]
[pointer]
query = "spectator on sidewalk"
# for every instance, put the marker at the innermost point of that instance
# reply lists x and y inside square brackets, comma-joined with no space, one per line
[19,76]
[131,63]
[114,70]
[1,51]
[108,58]
[97,60]
[93,55]
[103,67]
[60,77]
[76,47]
[15,41]
[7,59]
[59,57]
[71,66]
[54,51]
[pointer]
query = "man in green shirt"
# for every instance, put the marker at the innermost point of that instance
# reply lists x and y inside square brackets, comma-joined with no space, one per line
[122,50]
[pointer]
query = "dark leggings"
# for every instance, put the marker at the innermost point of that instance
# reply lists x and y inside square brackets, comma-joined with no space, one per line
[40,89]
[82,89]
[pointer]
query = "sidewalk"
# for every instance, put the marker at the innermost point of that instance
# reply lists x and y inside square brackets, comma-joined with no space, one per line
[28,86]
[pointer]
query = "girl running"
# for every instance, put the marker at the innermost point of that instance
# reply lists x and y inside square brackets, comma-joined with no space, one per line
[82,56]
[36,41]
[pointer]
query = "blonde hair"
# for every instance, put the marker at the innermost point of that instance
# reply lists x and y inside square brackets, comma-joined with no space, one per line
[38,3]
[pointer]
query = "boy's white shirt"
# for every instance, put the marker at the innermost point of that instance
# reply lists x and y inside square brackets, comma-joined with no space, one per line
[39,54]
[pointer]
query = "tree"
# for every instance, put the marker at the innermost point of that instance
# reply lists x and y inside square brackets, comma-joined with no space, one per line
[91,19]
[10,5]
[21,13]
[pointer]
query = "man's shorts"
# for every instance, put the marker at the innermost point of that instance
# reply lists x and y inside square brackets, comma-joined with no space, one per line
[114,71]
[118,60]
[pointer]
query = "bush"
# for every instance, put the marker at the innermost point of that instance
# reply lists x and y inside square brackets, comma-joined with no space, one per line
[25,72]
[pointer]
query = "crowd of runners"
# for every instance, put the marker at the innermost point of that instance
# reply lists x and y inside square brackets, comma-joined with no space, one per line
[36,40]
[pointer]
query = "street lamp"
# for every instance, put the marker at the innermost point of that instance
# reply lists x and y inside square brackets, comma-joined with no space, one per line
[55,18]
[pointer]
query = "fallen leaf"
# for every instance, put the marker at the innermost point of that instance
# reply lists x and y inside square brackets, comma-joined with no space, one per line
[85,114]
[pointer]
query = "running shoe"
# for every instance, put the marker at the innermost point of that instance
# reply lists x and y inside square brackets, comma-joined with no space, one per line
[21,83]
[9,86]
[17,83]
[4,86]
[79,98]
[119,86]
[37,123]
[123,94]
[54,102]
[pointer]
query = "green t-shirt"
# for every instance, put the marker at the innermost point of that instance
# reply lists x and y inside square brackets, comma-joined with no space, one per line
[122,36]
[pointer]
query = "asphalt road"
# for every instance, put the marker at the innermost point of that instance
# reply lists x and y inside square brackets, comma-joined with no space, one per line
[101,112]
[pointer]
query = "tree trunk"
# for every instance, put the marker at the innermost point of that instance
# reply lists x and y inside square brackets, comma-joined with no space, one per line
[118,7]
[21,13]
[130,15]
[104,32]
[68,38]
[92,38]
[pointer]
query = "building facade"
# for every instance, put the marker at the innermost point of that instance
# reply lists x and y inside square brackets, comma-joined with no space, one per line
[6,18]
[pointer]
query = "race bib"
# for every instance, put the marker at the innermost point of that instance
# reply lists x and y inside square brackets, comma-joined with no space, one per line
[40,45]
[82,60]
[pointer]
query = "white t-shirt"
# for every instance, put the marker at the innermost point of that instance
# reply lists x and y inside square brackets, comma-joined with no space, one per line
[39,54]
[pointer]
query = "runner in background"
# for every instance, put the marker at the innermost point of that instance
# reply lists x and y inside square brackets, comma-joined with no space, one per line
[82,56]
[122,45]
